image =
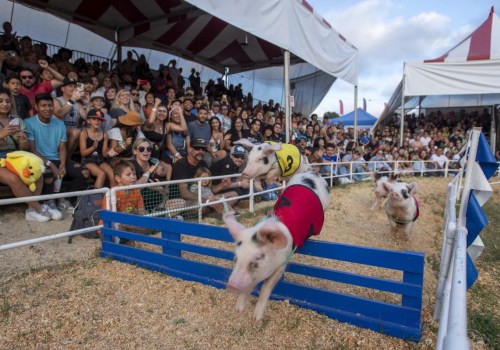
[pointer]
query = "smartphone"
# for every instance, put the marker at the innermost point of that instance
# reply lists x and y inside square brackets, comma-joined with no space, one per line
[13,120]
[143,82]
[79,86]
[11,53]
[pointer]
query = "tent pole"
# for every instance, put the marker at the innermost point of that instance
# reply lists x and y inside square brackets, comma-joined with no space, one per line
[355,113]
[12,11]
[493,135]
[286,81]
[67,35]
[118,46]
[402,126]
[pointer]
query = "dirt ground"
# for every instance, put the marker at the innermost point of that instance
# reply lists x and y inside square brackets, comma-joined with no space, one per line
[59,296]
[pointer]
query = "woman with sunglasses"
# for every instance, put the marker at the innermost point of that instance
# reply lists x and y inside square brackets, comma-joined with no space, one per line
[149,170]
[157,127]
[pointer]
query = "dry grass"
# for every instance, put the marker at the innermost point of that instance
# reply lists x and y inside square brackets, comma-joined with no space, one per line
[102,304]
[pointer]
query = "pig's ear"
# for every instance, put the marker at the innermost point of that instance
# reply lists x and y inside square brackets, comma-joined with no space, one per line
[270,233]
[234,227]
[412,188]
[268,149]
[245,143]
[387,186]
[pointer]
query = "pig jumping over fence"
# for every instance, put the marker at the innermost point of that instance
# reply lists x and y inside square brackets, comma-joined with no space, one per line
[380,192]
[271,160]
[262,252]
[402,207]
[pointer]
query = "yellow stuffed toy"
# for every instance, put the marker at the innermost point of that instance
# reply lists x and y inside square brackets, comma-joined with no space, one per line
[28,166]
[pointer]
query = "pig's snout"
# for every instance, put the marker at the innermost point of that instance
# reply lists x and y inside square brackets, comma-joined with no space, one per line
[232,287]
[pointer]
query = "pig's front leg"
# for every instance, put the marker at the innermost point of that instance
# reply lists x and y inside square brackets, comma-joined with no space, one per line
[242,301]
[265,293]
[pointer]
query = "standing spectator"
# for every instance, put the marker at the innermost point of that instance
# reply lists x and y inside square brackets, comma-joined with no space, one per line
[174,73]
[162,82]
[31,88]
[8,40]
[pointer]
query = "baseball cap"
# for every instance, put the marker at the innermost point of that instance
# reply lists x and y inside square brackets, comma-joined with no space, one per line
[216,103]
[199,143]
[237,150]
[68,81]
[96,114]
[97,95]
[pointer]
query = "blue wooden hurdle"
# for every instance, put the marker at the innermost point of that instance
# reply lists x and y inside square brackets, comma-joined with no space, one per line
[400,320]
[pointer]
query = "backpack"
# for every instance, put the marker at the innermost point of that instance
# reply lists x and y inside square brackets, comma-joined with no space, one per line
[86,214]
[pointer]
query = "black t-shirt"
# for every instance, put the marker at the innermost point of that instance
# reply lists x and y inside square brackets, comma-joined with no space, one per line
[224,166]
[23,106]
[182,170]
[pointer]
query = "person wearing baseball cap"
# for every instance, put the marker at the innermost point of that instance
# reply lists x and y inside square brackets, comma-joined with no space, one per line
[229,165]
[97,104]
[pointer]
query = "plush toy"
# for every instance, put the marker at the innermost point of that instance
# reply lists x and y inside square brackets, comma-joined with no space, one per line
[28,166]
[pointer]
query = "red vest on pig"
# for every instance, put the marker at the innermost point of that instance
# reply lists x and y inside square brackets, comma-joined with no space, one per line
[300,210]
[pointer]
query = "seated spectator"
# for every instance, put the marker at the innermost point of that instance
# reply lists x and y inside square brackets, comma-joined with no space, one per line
[359,168]
[124,134]
[176,141]
[253,134]
[267,133]
[216,149]
[110,95]
[13,138]
[150,170]
[206,187]
[329,158]
[121,104]
[440,161]
[47,136]
[199,129]
[31,88]
[378,163]
[230,165]
[23,105]
[97,102]
[234,134]
[157,128]
[94,150]
[185,168]
[149,103]
[70,110]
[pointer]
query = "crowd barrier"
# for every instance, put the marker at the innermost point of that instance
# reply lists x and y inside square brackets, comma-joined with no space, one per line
[177,256]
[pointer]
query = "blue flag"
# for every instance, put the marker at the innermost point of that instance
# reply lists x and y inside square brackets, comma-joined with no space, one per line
[481,191]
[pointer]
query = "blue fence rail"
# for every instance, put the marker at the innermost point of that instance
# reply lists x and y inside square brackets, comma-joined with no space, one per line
[402,320]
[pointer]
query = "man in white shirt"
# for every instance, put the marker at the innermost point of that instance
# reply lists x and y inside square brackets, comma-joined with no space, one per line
[440,160]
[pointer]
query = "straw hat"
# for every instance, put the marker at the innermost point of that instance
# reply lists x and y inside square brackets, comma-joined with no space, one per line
[131,119]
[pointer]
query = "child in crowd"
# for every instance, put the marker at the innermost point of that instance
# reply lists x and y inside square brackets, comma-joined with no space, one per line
[94,149]
[206,186]
[127,201]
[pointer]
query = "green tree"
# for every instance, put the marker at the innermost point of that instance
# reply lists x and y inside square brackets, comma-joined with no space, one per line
[331,115]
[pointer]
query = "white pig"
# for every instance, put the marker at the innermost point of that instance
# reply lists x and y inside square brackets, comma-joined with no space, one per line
[271,160]
[402,207]
[380,192]
[262,252]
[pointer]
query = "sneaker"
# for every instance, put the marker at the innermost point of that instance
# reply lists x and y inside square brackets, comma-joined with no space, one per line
[178,217]
[33,215]
[64,204]
[51,204]
[54,214]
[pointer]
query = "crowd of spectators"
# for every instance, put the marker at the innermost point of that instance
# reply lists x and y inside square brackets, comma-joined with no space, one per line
[80,116]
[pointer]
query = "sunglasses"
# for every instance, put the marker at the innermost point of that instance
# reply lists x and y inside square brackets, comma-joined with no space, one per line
[238,157]
[189,94]
[142,149]
[199,148]
[162,111]
[26,77]
[135,94]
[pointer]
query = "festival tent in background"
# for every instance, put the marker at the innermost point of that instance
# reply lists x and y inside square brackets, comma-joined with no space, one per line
[467,75]
[365,119]
[235,37]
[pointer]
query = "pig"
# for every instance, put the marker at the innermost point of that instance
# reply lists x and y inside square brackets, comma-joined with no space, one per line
[262,251]
[380,192]
[270,161]
[402,207]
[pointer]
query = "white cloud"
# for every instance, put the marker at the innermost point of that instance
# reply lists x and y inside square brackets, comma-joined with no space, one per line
[385,40]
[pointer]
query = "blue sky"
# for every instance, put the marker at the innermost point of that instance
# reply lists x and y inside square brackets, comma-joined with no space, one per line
[389,32]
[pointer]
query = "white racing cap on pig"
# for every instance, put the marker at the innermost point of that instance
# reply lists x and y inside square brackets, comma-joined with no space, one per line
[262,251]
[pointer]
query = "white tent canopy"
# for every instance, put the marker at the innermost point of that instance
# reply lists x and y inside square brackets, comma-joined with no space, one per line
[472,67]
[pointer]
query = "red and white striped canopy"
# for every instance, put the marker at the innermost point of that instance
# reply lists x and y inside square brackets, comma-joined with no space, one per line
[481,44]
[239,34]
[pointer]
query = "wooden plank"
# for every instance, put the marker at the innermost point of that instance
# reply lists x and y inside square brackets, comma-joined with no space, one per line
[358,280]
